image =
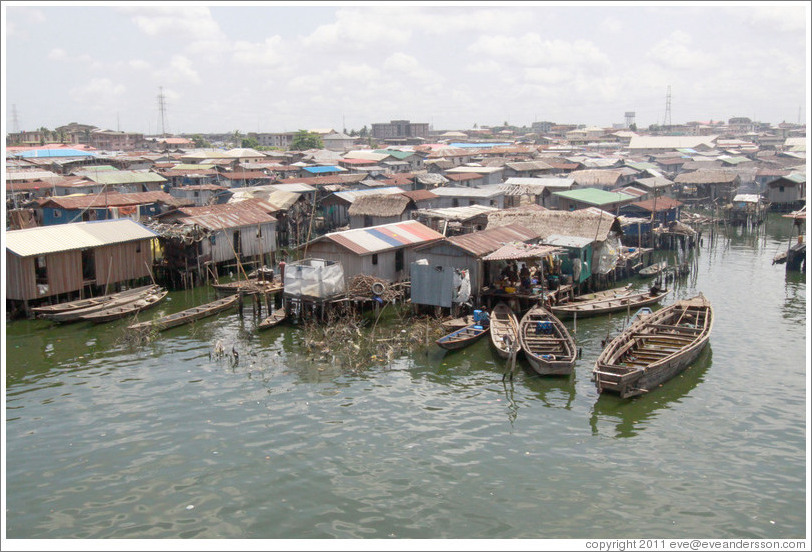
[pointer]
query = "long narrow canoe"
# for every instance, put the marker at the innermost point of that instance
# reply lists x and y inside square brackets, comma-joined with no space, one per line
[653,270]
[75,315]
[248,287]
[605,294]
[120,311]
[273,319]
[462,338]
[605,306]
[655,348]
[504,330]
[188,315]
[46,310]
[547,345]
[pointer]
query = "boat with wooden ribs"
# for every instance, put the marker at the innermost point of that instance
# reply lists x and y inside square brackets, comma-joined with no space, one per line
[274,319]
[653,270]
[633,300]
[78,314]
[188,315]
[595,295]
[46,310]
[547,345]
[504,330]
[462,337]
[252,286]
[120,311]
[655,348]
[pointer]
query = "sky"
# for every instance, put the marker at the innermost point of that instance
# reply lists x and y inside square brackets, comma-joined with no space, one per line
[277,67]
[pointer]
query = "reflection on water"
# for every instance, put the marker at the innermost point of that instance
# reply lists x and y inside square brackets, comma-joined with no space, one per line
[106,440]
[632,416]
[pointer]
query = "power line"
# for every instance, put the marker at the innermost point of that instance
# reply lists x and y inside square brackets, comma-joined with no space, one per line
[667,117]
[162,110]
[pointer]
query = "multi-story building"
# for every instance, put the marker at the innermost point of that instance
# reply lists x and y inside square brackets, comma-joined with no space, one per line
[111,140]
[399,129]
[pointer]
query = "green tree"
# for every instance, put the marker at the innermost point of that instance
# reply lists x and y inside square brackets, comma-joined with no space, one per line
[200,142]
[250,142]
[364,132]
[305,140]
[236,138]
[633,127]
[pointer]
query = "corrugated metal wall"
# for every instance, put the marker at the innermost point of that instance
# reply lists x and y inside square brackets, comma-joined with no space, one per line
[20,281]
[121,262]
[222,250]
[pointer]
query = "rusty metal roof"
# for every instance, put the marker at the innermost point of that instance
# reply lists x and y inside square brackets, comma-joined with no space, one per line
[44,240]
[486,241]
[110,199]
[250,212]
[518,251]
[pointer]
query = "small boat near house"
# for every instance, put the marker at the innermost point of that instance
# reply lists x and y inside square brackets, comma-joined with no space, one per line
[188,315]
[45,311]
[504,330]
[126,309]
[653,270]
[79,314]
[655,348]
[546,342]
[461,338]
[274,319]
[633,300]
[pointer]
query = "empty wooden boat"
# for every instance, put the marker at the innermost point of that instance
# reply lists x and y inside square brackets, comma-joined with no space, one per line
[630,301]
[504,330]
[274,319]
[249,287]
[655,348]
[75,315]
[120,311]
[46,310]
[653,270]
[547,345]
[462,337]
[188,315]
[596,295]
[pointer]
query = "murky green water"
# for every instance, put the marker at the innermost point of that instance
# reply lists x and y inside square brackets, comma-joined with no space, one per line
[108,441]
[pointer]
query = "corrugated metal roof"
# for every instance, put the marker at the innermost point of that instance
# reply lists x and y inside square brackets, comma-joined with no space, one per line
[54,153]
[43,240]
[486,241]
[513,251]
[594,196]
[112,178]
[112,199]
[230,215]
[451,191]
[664,203]
[545,182]
[351,195]
[376,239]
[458,213]
[567,241]
[747,198]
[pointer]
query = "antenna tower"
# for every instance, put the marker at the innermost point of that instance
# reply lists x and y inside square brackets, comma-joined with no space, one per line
[15,123]
[667,118]
[162,110]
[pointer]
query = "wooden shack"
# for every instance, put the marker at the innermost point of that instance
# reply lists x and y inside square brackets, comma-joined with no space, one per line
[51,262]
[383,251]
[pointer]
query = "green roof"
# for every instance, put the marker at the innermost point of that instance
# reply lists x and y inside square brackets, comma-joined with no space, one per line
[397,154]
[594,196]
[125,177]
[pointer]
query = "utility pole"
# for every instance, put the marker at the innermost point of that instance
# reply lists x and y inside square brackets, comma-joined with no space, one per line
[162,110]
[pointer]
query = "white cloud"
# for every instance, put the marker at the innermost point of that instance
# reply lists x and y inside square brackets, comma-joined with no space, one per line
[531,50]
[192,25]
[266,53]
[777,18]
[57,54]
[357,29]
[99,92]
[179,70]
[547,75]
[674,52]
[401,64]
[613,24]
[139,65]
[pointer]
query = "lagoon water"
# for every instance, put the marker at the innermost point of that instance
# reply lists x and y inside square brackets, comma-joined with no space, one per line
[104,440]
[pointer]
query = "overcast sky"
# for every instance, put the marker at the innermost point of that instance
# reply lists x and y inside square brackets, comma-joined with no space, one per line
[272,67]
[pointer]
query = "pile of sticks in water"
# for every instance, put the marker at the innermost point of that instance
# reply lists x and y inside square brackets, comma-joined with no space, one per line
[364,285]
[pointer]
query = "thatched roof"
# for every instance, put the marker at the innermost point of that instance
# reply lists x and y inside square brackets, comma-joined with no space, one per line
[707,176]
[379,205]
[596,177]
[582,223]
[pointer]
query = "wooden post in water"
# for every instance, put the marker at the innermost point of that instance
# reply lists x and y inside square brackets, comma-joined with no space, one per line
[574,321]
[239,302]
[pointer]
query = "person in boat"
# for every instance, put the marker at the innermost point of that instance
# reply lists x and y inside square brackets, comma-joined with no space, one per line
[655,289]
[482,317]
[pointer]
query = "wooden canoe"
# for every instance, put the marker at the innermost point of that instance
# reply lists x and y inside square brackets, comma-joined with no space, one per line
[248,287]
[75,315]
[188,315]
[547,345]
[46,310]
[120,311]
[605,306]
[653,270]
[504,330]
[273,319]
[594,296]
[462,338]
[655,348]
